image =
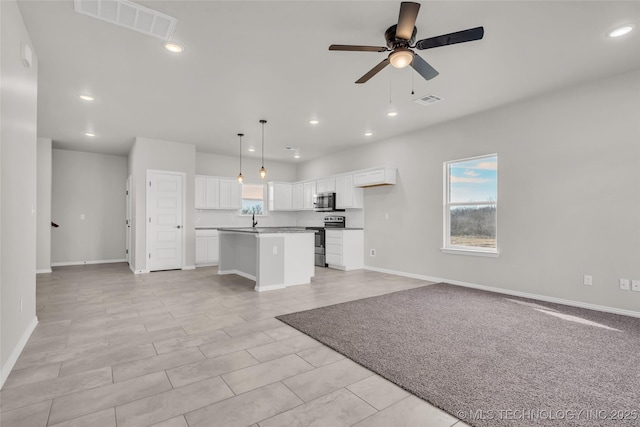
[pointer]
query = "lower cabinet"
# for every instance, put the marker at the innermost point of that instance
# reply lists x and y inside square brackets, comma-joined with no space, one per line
[344,249]
[207,250]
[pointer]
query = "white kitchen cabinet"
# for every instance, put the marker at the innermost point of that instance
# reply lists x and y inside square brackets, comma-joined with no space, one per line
[326,185]
[217,193]
[297,202]
[375,176]
[230,194]
[308,192]
[280,196]
[207,247]
[344,249]
[207,188]
[347,196]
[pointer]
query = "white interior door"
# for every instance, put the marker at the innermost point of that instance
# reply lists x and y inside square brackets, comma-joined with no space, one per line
[165,232]
[127,221]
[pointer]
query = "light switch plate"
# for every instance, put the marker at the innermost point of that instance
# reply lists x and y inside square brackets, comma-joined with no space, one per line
[635,285]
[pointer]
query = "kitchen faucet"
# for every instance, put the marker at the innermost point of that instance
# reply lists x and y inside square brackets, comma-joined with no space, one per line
[253,220]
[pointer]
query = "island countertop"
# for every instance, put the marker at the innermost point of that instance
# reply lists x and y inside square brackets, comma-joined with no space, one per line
[266,230]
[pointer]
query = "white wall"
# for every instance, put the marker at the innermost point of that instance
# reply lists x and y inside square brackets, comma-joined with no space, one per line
[43,226]
[18,113]
[156,154]
[92,186]
[568,194]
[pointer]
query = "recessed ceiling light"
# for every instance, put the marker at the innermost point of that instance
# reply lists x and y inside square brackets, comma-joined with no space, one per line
[89,134]
[289,148]
[392,113]
[252,149]
[620,31]
[314,122]
[368,133]
[85,97]
[174,47]
[296,156]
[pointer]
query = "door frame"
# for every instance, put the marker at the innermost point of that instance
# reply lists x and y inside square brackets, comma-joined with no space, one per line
[128,221]
[148,208]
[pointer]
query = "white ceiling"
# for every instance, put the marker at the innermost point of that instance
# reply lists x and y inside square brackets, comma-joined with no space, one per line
[245,61]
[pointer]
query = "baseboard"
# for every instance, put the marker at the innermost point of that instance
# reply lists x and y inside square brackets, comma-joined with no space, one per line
[545,298]
[102,261]
[44,271]
[189,267]
[13,357]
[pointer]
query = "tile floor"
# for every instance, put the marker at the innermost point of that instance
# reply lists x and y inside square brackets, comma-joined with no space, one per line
[191,348]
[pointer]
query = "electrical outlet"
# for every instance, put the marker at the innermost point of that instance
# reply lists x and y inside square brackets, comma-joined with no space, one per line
[635,285]
[587,280]
[624,284]
[372,252]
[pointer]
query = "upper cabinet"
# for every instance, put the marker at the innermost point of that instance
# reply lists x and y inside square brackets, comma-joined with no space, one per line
[217,193]
[308,191]
[297,202]
[326,185]
[347,196]
[375,176]
[280,196]
[230,194]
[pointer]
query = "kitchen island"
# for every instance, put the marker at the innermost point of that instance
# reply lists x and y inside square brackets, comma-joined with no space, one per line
[275,257]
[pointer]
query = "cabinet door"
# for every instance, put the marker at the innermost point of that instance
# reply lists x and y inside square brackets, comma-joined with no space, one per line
[309,191]
[201,201]
[298,197]
[230,194]
[326,185]
[344,191]
[280,196]
[211,193]
[201,250]
[213,250]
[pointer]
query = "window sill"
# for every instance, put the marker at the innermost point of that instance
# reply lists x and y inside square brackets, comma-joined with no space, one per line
[471,252]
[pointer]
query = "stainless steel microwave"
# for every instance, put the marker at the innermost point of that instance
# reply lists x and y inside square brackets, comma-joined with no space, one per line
[324,202]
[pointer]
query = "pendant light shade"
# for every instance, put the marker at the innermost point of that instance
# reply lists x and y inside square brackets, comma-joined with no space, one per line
[263,171]
[240,177]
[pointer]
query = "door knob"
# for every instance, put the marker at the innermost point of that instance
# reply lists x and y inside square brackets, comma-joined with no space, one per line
[177,226]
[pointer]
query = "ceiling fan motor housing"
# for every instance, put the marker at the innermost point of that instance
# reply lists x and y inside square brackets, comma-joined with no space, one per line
[394,42]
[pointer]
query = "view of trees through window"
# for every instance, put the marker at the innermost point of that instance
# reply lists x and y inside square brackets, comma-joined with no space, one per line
[472,194]
[252,199]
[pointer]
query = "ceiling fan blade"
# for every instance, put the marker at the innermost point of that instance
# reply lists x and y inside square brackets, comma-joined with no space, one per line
[407,19]
[375,70]
[423,68]
[352,48]
[452,38]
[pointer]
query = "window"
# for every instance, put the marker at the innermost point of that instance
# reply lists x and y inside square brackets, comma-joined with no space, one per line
[252,200]
[471,198]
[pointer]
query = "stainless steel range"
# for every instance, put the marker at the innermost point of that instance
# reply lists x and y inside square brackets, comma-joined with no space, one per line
[329,222]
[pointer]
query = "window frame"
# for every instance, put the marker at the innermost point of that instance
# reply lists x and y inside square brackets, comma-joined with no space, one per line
[447,205]
[265,211]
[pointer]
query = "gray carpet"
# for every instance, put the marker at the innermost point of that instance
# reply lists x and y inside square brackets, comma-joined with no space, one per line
[503,360]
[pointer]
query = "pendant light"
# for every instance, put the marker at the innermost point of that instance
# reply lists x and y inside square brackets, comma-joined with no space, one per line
[263,171]
[240,177]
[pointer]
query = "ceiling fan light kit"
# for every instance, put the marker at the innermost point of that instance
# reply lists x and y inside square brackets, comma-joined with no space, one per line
[400,40]
[401,57]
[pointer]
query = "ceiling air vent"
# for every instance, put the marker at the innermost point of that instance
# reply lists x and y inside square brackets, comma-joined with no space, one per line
[129,15]
[428,100]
